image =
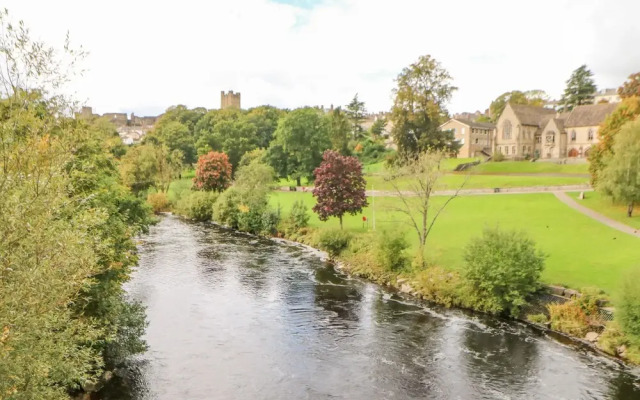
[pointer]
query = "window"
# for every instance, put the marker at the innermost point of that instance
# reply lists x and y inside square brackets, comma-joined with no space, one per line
[513,149]
[476,140]
[462,141]
[551,137]
[524,149]
[573,135]
[506,130]
[506,150]
[463,129]
[538,139]
[590,134]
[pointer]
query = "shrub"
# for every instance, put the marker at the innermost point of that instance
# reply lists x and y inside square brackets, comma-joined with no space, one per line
[441,286]
[392,248]
[270,221]
[503,267]
[498,157]
[158,202]
[628,310]
[299,216]
[226,208]
[539,319]
[197,205]
[213,172]
[334,241]
[569,318]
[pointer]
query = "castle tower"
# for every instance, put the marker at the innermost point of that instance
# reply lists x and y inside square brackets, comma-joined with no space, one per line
[229,100]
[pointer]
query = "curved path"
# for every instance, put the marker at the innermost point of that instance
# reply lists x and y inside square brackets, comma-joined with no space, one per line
[563,197]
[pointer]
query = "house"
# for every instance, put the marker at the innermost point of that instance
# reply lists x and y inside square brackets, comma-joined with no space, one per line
[529,131]
[606,96]
[475,137]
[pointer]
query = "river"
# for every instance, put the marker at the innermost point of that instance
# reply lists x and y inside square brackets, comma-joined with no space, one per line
[235,317]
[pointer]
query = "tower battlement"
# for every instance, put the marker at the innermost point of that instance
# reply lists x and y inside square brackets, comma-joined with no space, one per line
[229,100]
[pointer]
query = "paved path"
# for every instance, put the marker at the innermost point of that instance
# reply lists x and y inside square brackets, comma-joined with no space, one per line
[563,197]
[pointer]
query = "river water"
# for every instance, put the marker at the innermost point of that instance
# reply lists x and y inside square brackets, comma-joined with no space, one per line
[235,317]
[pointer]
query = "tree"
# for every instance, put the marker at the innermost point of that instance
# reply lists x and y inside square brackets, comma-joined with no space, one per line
[620,178]
[503,268]
[213,172]
[631,87]
[176,136]
[356,112]
[378,127]
[301,138]
[628,311]
[265,119]
[422,91]
[339,130]
[626,111]
[339,186]
[530,97]
[580,89]
[150,165]
[413,180]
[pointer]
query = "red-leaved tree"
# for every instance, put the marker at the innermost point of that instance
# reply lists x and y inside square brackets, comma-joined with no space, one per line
[213,172]
[339,186]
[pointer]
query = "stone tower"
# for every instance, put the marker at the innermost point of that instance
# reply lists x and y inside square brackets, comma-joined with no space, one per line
[229,100]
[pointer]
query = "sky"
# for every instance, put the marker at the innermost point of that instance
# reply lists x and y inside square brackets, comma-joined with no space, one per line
[145,56]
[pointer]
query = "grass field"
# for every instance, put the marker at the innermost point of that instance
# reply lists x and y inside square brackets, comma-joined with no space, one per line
[605,206]
[527,167]
[582,252]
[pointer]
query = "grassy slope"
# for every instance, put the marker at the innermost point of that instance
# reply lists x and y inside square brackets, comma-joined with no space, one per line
[604,206]
[526,167]
[582,252]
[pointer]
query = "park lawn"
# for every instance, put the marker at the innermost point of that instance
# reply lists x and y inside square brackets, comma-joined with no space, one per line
[581,251]
[604,205]
[448,164]
[454,180]
[527,167]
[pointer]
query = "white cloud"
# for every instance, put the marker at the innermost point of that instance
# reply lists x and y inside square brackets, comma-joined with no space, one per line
[148,55]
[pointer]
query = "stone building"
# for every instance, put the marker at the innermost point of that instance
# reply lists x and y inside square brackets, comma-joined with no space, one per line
[529,131]
[475,137]
[229,100]
[606,96]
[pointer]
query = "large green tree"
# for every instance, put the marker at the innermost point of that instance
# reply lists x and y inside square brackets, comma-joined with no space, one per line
[580,89]
[231,136]
[419,108]
[620,178]
[301,138]
[339,130]
[529,97]
[265,119]
[176,136]
[356,112]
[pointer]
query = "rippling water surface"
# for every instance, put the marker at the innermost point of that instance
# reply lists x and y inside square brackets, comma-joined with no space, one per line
[234,317]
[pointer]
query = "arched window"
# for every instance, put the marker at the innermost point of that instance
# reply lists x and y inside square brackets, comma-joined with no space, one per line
[506,130]
[590,134]
[573,135]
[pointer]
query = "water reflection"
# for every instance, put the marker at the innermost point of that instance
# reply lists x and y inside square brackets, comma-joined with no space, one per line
[234,317]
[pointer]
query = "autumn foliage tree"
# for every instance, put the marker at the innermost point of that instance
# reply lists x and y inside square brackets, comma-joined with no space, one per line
[213,172]
[339,186]
[631,87]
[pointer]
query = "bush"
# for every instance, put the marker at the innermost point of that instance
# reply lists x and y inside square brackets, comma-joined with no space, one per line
[270,221]
[539,319]
[197,205]
[628,310]
[226,208]
[299,216]
[213,172]
[498,157]
[504,268]
[334,241]
[158,202]
[391,251]
[569,318]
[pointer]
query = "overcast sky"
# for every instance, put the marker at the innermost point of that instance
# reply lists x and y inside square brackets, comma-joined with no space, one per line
[148,55]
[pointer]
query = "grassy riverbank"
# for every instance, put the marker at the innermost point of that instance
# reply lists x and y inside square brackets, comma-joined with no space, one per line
[606,207]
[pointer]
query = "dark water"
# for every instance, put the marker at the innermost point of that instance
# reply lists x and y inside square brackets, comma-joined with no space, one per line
[233,317]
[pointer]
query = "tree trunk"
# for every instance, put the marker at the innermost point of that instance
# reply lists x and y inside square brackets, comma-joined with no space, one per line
[630,209]
[298,183]
[341,222]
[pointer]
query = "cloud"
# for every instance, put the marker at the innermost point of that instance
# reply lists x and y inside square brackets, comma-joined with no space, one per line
[146,56]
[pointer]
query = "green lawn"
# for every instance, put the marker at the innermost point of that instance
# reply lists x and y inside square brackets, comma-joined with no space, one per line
[527,167]
[605,206]
[582,252]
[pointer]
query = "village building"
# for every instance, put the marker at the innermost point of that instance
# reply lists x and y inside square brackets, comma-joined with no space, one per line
[474,137]
[536,132]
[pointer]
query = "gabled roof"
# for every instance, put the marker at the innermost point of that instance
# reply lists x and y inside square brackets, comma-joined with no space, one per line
[474,124]
[532,115]
[589,115]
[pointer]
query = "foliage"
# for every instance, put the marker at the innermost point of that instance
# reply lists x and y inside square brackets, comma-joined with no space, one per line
[334,241]
[377,128]
[419,108]
[265,119]
[226,209]
[580,89]
[270,221]
[628,311]
[503,267]
[339,186]
[372,151]
[392,248]
[175,136]
[530,97]
[626,111]
[540,319]
[231,133]
[339,130]
[158,202]
[197,205]
[620,178]
[356,112]
[631,87]
[498,157]
[213,172]
[299,141]
[568,318]
[298,216]
[150,165]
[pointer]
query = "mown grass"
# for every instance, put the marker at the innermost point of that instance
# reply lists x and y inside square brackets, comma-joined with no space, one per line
[606,207]
[527,167]
[582,252]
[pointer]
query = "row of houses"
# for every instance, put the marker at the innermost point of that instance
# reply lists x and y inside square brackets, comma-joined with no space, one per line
[528,131]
